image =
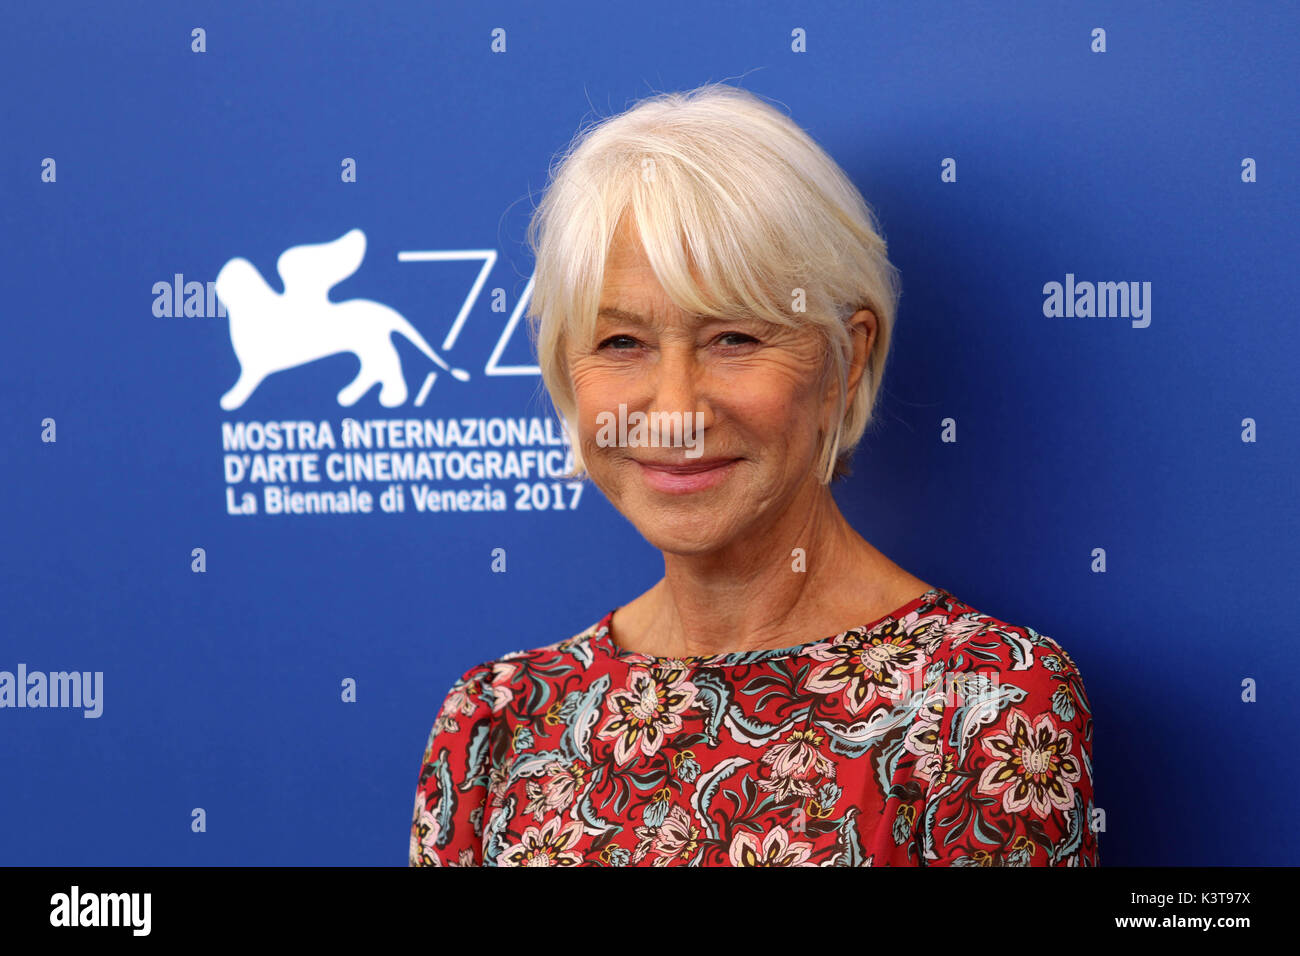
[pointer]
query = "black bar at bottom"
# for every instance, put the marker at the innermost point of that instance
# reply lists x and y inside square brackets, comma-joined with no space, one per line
[375,905]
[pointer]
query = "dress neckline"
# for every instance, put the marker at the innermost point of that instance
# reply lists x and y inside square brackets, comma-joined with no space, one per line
[601,638]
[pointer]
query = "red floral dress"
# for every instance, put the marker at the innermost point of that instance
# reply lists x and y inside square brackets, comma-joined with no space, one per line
[936,736]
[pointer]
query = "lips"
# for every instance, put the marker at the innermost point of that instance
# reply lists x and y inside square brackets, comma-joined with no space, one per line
[690,468]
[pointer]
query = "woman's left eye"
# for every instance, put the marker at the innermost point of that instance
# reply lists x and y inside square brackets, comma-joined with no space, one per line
[739,335]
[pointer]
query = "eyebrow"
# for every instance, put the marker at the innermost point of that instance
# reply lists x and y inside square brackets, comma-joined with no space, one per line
[609,312]
[634,318]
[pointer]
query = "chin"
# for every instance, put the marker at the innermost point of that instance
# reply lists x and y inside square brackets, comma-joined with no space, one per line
[683,535]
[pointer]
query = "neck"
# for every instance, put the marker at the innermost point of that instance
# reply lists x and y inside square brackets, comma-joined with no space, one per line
[782,586]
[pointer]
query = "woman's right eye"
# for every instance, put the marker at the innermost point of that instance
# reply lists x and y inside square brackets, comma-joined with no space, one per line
[615,338]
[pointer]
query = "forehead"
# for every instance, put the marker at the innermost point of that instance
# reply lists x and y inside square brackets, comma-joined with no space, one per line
[630,291]
[626,264]
[626,240]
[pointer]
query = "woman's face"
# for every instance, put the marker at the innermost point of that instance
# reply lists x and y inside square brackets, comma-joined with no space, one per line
[756,390]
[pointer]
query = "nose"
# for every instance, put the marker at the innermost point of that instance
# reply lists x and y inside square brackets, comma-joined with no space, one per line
[681,383]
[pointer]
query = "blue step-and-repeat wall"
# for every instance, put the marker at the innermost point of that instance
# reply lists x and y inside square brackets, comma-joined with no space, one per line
[262,680]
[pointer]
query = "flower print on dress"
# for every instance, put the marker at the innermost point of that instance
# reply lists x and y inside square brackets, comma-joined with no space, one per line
[548,845]
[883,663]
[460,702]
[502,674]
[424,836]
[555,794]
[796,765]
[676,837]
[775,850]
[1034,765]
[580,754]
[645,711]
[922,739]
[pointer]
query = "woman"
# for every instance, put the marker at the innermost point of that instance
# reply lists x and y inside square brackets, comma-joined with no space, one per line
[785,695]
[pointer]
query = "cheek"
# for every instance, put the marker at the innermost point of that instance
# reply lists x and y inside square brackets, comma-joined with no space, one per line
[595,392]
[592,391]
[783,405]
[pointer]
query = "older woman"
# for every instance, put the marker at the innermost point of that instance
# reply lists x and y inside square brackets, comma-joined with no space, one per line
[786,695]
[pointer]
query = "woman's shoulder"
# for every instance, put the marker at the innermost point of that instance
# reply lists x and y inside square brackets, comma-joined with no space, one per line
[978,654]
[499,670]
[1009,732]
[973,639]
[577,647]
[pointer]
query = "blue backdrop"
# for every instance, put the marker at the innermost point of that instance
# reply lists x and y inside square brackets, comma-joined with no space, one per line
[1005,146]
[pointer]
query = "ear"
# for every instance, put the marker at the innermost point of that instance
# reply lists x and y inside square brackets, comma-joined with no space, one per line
[862,327]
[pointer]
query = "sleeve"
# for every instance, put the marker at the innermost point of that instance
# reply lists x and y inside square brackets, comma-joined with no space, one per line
[451,798]
[1013,780]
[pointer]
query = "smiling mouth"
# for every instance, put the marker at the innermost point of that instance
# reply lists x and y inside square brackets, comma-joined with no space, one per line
[690,468]
[686,478]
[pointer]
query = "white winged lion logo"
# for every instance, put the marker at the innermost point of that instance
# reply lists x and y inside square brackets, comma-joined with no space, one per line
[271,331]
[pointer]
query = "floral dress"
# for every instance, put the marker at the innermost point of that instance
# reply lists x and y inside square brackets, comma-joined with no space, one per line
[936,736]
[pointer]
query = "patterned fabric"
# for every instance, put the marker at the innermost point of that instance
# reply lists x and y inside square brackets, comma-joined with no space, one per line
[937,736]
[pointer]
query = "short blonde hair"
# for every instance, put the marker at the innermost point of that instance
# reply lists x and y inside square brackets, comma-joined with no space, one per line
[719,181]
